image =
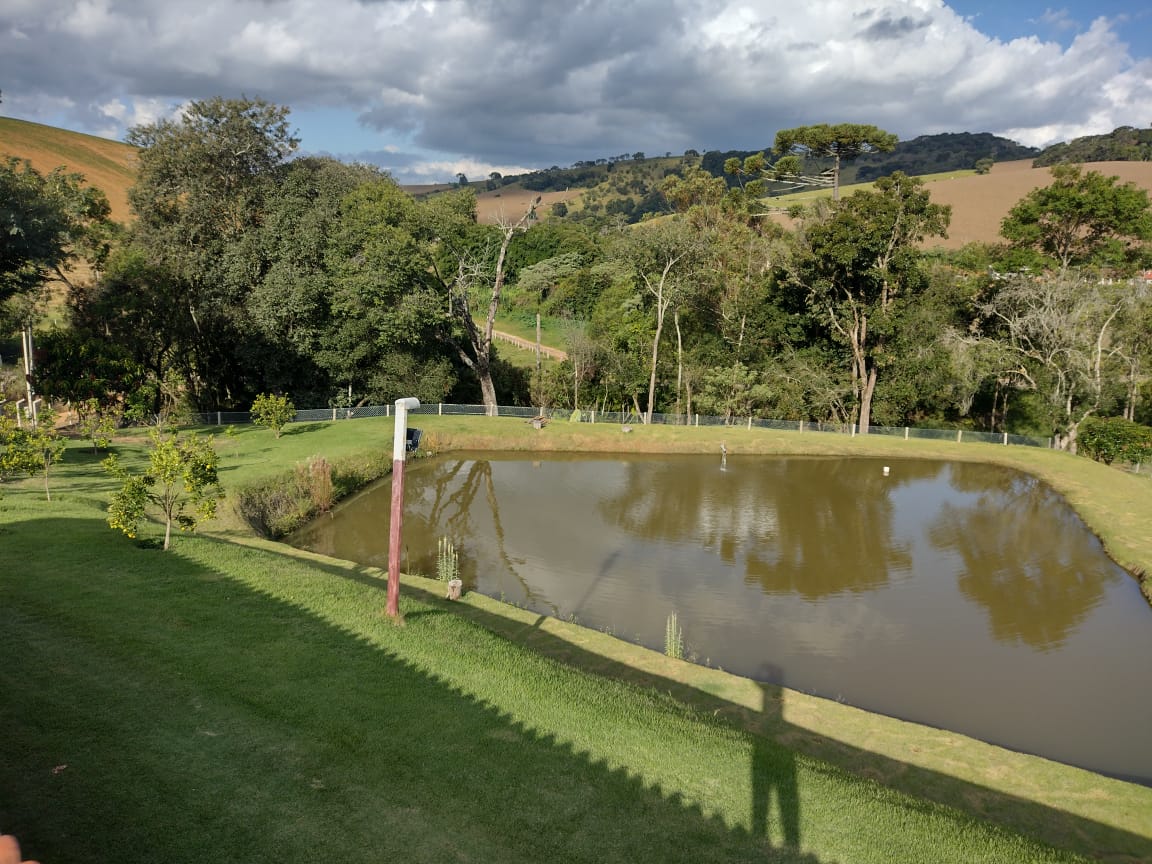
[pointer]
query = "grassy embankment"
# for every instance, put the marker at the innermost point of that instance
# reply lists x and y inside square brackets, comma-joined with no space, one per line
[237,698]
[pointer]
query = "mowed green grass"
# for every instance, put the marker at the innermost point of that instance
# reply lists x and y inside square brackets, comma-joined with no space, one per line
[235,699]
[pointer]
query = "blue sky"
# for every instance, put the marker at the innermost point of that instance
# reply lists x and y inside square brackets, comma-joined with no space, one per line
[428,88]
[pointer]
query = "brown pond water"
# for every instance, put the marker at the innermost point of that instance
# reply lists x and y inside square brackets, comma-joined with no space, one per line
[968,597]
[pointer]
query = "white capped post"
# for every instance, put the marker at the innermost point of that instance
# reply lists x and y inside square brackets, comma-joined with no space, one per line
[399,452]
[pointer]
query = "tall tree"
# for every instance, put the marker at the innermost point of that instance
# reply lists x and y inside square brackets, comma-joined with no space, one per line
[842,142]
[1076,217]
[662,258]
[860,265]
[1060,330]
[200,196]
[475,283]
[388,306]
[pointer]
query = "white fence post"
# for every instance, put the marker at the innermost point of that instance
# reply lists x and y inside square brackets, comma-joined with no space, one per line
[440,409]
[905,433]
[959,435]
[1005,439]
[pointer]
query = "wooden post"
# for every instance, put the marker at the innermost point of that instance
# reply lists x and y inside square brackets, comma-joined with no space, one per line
[399,451]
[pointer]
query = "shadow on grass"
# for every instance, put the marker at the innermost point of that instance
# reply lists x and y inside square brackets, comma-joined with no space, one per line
[158,709]
[773,767]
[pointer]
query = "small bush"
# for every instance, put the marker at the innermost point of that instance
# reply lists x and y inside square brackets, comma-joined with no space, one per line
[273,412]
[1108,439]
[276,507]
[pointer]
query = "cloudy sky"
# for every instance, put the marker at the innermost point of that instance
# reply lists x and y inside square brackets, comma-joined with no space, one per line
[428,88]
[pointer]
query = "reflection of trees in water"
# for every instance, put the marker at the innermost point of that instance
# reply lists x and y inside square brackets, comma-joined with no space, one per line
[811,527]
[1028,560]
[453,496]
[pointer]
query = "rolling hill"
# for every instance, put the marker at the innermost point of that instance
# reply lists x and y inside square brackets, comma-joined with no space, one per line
[107,165]
[979,202]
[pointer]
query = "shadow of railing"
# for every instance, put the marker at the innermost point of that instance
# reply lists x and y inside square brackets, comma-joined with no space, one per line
[159,708]
[773,767]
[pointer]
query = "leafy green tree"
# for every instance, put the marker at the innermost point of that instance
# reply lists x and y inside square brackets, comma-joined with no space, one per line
[273,412]
[388,289]
[46,221]
[842,142]
[1058,335]
[662,259]
[200,198]
[181,473]
[98,422]
[860,264]
[983,166]
[30,449]
[1076,217]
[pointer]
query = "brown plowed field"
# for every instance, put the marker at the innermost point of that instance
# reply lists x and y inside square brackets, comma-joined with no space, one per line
[980,202]
[107,165]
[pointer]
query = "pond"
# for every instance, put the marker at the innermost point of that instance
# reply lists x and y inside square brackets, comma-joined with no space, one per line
[964,596]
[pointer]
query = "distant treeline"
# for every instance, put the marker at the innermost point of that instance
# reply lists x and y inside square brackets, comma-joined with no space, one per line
[1125,144]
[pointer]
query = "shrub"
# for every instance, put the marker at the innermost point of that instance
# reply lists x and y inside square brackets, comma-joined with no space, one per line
[273,412]
[276,507]
[1107,439]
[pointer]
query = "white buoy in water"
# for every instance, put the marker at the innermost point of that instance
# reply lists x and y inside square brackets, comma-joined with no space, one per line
[885,470]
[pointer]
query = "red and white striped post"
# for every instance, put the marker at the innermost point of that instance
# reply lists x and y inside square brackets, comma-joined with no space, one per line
[399,451]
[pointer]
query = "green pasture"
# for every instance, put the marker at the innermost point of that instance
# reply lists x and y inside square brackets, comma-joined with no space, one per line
[234,698]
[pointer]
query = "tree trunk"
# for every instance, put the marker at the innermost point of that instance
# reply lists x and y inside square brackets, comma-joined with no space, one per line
[866,401]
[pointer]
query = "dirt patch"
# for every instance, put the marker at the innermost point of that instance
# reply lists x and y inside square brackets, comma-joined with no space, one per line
[509,204]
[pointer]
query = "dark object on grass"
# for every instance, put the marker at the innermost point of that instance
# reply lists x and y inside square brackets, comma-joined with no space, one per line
[412,439]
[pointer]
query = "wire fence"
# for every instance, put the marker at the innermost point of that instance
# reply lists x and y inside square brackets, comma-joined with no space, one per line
[626,418]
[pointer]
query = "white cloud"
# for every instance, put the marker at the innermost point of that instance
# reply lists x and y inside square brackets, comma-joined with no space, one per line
[537,82]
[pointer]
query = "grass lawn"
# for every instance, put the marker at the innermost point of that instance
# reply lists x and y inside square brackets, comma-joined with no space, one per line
[237,699]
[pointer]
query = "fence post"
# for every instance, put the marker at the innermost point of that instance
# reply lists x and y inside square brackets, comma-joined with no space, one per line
[959,435]
[905,433]
[801,425]
[749,421]
[697,419]
[440,408]
[853,430]
[593,415]
[1005,439]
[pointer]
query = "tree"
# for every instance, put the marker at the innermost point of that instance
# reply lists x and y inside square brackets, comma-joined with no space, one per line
[387,290]
[181,474]
[983,166]
[861,265]
[200,197]
[1059,331]
[1074,219]
[662,258]
[31,448]
[272,412]
[45,222]
[478,279]
[842,142]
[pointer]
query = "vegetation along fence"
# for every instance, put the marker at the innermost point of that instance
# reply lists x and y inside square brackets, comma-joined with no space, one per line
[313,415]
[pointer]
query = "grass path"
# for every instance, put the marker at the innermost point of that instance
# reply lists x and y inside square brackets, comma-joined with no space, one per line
[237,699]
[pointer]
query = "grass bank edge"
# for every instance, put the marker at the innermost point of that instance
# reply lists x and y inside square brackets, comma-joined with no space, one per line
[1115,803]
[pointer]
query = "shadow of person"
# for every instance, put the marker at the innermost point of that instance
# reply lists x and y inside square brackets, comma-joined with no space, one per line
[773,768]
